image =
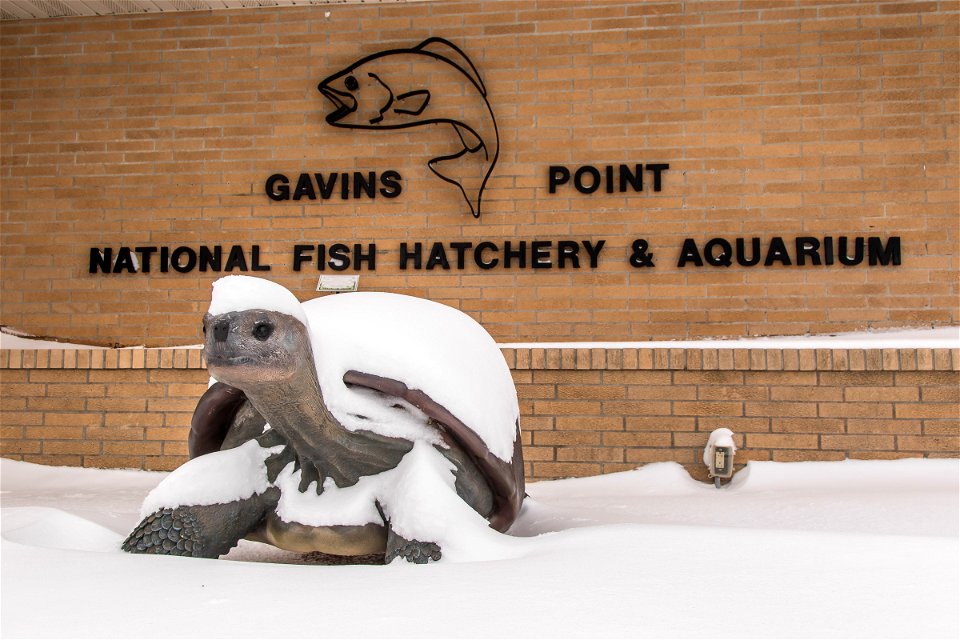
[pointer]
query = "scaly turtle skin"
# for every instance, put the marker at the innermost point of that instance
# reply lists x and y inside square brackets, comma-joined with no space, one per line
[263,360]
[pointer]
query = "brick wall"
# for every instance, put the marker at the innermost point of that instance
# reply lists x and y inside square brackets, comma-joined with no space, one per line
[99,408]
[583,411]
[776,118]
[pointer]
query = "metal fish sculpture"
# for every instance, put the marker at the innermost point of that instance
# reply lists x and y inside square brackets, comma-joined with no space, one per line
[432,83]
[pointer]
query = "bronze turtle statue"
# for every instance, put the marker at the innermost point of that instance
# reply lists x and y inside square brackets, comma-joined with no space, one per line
[349,425]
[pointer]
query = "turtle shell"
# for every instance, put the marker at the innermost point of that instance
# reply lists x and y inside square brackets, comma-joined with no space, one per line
[425,345]
[376,353]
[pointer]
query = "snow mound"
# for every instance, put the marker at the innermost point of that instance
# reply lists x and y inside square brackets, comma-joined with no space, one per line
[911,474]
[880,563]
[56,529]
[216,478]
[862,496]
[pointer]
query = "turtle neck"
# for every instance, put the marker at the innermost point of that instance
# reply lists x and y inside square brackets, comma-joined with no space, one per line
[320,445]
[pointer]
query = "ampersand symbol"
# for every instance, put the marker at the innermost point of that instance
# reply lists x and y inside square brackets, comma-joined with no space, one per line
[640,257]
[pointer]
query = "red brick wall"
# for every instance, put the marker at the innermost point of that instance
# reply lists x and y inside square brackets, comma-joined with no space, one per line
[777,119]
[583,411]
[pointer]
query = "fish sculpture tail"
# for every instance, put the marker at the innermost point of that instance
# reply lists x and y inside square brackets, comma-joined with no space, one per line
[468,169]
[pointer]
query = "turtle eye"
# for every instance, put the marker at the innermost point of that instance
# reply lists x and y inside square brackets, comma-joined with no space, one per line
[351,83]
[262,331]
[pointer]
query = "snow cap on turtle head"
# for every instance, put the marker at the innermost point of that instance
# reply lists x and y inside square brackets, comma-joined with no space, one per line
[242,293]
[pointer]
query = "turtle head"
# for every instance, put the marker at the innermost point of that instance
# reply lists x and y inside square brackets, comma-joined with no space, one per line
[255,333]
[254,347]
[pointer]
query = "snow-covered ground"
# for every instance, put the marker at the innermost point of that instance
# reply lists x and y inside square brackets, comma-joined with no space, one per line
[814,549]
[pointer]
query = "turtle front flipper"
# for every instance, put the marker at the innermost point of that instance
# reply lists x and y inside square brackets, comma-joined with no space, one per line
[204,507]
[200,531]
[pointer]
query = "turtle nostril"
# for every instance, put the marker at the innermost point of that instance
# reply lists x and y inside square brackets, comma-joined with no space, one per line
[220,331]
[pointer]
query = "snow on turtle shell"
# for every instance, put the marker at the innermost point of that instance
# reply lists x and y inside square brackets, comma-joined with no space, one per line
[425,345]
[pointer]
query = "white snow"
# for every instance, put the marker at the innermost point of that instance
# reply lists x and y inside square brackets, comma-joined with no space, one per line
[369,410]
[426,345]
[240,293]
[904,338]
[16,341]
[354,505]
[816,549]
[421,503]
[216,478]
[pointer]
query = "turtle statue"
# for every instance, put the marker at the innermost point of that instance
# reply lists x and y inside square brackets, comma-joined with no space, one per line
[349,425]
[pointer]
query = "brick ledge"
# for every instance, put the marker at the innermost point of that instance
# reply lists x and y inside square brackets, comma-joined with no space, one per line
[696,359]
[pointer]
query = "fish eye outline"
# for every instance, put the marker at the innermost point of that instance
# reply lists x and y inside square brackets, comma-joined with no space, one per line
[351,83]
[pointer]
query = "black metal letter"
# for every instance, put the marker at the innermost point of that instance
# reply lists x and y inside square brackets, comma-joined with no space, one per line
[857,251]
[391,184]
[724,258]
[884,255]
[594,251]
[101,260]
[558,175]
[478,255]
[689,253]
[298,255]
[808,247]
[568,250]
[416,255]
[777,252]
[278,187]
[742,258]
[578,179]
[656,170]
[370,257]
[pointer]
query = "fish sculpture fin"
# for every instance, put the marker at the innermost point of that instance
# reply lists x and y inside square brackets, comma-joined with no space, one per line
[412,102]
[442,48]
[471,141]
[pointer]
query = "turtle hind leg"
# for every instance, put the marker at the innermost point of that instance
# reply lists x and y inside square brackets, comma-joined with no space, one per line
[168,531]
[414,551]
[199,531]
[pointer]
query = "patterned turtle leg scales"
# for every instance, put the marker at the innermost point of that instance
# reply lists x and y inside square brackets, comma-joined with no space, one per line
[199,531]
[413,551]
[174,532]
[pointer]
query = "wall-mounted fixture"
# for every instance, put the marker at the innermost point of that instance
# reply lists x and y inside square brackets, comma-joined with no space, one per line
[718,455]
[338,284]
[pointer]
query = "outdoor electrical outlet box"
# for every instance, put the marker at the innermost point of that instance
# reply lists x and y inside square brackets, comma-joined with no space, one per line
[338,284]
[722,466]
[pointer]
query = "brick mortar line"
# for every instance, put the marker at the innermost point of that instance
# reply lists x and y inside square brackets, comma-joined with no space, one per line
[557,359]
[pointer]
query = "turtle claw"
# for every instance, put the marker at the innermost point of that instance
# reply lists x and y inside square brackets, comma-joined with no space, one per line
[413,551]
